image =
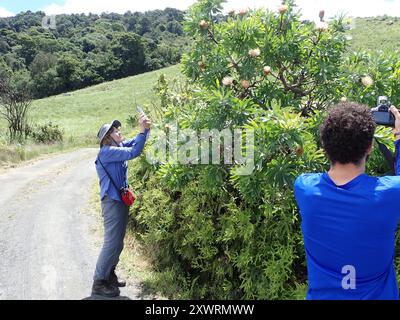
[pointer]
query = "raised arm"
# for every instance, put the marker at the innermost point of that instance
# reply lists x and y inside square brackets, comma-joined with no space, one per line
[115,154]
[129,143]
[144,126]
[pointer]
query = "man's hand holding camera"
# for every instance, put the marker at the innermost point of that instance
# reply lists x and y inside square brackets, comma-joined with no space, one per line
[396,130]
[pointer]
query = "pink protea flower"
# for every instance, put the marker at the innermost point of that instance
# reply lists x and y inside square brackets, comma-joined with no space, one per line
[245,84]
[322,26]
[227,81]
[267,70]
[254,53]
[243,12]
[367,81]
[283,9]
[203,24]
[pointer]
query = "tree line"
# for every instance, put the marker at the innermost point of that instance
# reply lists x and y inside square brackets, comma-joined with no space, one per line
[85,50]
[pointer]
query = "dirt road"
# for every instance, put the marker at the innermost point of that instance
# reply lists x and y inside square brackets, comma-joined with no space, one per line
[48,247]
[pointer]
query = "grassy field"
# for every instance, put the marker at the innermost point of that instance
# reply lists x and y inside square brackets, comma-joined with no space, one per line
[81,113]
[377,33]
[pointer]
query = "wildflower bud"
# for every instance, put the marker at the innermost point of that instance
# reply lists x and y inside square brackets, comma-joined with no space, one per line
[227,81]
[254,53]
[343,99]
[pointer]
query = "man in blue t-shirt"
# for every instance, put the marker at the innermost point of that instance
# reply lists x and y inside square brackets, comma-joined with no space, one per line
[349,219]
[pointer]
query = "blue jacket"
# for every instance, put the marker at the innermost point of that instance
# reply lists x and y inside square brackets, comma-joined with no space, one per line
[115,160]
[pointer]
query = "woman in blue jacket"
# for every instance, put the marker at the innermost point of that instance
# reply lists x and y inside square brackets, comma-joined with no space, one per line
[112,170]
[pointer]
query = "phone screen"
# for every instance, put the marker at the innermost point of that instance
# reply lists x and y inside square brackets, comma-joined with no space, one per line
[139,110]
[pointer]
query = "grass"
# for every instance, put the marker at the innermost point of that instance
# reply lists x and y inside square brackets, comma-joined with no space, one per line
[12,155]
[376,33]
[81,113]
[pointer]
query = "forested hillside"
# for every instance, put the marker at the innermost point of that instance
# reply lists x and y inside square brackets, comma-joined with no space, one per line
[84,50]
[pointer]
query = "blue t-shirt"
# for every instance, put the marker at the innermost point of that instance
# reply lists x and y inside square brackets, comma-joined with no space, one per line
[349,235]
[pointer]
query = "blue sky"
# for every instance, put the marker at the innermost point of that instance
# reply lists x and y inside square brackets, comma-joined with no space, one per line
[310,8]
[16,6]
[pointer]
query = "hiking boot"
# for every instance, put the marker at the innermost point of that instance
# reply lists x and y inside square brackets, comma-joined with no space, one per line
[104,288]
[115,281]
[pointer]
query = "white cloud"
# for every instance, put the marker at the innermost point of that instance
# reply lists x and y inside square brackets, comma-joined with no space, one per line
[310,8]
[355,8]
[4,13]
[118,6]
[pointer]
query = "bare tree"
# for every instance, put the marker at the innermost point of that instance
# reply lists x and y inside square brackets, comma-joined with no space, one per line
[14,106]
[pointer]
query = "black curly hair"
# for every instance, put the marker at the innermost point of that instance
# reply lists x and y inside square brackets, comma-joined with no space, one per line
[347,133]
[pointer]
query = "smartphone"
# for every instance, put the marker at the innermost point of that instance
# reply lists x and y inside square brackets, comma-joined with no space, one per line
[139,110]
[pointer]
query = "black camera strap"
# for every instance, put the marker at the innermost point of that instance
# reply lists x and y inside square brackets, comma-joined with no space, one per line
[389,157]
[109,176]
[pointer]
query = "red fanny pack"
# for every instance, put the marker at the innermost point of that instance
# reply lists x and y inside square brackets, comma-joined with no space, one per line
[127,196]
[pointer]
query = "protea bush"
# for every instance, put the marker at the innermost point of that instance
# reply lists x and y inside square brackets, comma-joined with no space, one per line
[218,234]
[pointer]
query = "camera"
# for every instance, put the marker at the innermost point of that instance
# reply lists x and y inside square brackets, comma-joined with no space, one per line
[381,113]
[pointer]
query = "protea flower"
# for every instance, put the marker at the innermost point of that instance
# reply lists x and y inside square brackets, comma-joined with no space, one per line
[267,70]
[322,26]
[245,84]
[227,81]
[367,81]
[283,9]
[242,12]
[254,53]
[203,24]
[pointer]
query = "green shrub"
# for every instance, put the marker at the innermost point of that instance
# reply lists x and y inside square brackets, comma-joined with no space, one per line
[47,133]
[231,236]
